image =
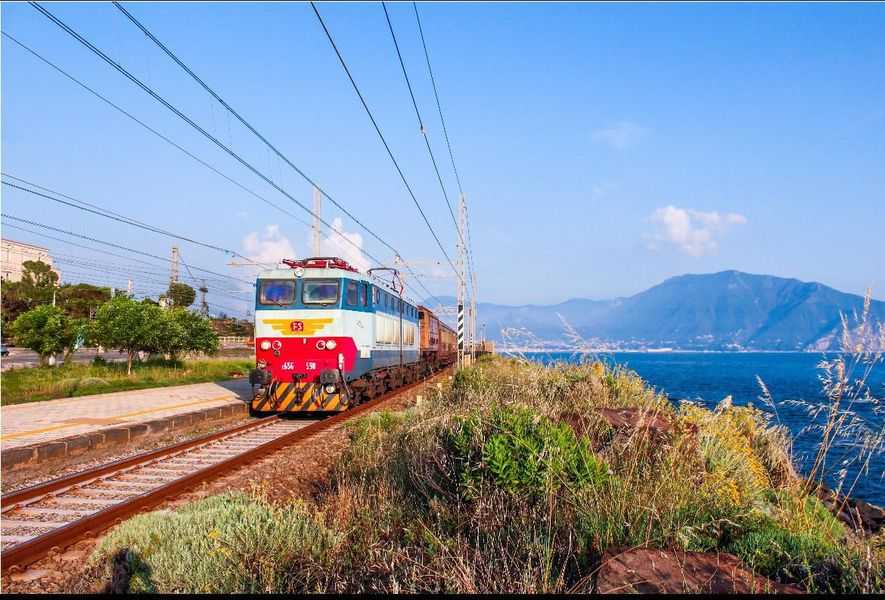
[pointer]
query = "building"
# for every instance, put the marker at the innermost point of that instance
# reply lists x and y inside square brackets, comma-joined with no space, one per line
[14,254]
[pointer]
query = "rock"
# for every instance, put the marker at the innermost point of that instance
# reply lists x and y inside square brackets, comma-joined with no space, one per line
[857,514]
[651,571]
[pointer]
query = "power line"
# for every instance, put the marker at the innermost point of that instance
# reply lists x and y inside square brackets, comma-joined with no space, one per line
[421,121]
[381,135]
[436,95]
[120,218]
[443,122]
[273,148]
[242,120]
[113,245]
[194,125]
[187,119]
[153,131]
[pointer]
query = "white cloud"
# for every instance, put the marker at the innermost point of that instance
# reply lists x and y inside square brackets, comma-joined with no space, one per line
[334,244]
[692,231]
[268,248]
[271,246]
[620,135]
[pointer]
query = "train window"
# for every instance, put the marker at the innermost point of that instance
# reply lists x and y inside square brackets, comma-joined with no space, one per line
[374,296]
[421,314]
[279,292]
[364,297]
[352,294]
[319,291]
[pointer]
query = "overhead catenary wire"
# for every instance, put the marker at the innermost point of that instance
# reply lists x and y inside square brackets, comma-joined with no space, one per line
[381,136]
[97,210]
[113,245]
[423,129]
[189,121]
[443,123]
[273,148]
[154,131]
[246,124]
[199,129]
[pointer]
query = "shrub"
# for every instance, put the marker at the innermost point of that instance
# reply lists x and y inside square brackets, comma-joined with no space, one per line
[523,451]
[223,544]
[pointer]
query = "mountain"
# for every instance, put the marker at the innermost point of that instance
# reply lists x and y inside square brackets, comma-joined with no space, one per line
[729,310]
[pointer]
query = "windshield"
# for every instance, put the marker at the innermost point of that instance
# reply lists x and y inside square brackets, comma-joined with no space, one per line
[277,292]
[320,291]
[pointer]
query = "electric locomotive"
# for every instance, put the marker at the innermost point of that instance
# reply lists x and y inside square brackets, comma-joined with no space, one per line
[328,337]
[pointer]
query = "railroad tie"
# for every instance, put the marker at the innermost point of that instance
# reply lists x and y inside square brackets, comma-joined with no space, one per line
[13,524]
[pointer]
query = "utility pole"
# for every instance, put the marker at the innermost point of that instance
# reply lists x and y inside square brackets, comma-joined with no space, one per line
[317,232]
[173,274]
[462,259]
[128,288]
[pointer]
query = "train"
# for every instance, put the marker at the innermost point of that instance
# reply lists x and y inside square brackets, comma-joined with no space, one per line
[329,337]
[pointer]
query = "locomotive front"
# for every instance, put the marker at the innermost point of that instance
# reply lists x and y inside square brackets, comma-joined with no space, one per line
[305,342]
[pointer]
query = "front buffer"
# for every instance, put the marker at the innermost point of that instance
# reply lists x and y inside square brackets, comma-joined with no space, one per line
[301,375]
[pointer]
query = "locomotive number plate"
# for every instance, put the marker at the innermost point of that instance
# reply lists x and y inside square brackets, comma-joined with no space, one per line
[297,325]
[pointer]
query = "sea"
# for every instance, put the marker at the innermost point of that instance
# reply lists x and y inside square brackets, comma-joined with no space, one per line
[708,377]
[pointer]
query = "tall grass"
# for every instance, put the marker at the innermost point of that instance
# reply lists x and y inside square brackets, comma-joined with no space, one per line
[512,479]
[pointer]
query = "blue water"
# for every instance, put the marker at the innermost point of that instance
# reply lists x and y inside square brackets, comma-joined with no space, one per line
[710,377]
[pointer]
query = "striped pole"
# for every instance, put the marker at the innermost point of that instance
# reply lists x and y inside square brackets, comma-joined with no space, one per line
[460,334]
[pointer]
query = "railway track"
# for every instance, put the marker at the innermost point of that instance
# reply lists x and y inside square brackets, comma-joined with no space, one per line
[50,516]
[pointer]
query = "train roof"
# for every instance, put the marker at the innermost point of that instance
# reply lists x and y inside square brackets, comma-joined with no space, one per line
[330,267]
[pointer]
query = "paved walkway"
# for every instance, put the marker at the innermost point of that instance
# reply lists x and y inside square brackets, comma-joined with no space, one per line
[34,422]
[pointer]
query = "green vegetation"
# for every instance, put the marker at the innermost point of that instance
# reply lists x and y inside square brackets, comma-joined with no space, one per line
[244,546]
[181,294]
[517,478]
[48,331]
[132,327]
[37,286]
[44,383]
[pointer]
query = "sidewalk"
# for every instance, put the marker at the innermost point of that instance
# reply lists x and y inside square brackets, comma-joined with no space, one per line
[41,423]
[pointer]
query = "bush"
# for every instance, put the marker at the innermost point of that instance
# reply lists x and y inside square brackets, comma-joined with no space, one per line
[522,451]
[222,545]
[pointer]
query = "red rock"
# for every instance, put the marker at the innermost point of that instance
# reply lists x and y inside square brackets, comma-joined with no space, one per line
[651,571]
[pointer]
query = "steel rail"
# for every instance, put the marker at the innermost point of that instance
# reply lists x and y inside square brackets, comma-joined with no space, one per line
[24,553]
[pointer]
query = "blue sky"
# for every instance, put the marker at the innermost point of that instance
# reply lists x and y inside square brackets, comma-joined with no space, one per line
[602,148]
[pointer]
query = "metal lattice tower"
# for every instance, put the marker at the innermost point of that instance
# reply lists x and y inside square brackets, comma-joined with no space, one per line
[204,306]
[176,259]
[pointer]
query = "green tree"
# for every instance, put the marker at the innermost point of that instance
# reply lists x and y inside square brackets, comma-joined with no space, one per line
[37,282]
[132,327]
[82,299]
[195,333]
[35,288]
[47,331]
[181,294]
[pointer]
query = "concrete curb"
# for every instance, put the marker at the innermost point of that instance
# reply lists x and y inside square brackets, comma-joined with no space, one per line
[28,456]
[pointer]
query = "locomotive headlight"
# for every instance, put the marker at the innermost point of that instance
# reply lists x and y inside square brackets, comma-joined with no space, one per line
[329,389]
[321,345]
[330,345]
[277,344]
[265,345]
